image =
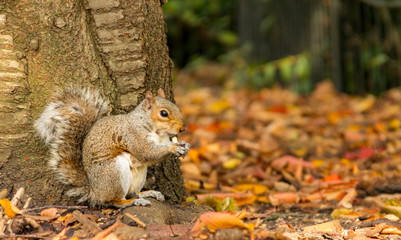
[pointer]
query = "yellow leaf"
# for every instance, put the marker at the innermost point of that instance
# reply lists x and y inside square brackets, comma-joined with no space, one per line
[8,208]
[354,127]
[395,124]
[209,186]
[255,188]
[345,161]
[317,163]
[191,184]
[341,212]
[300,152]
[240,198]
[364,104]
[219,106]
[231,163]
[263,199]
[190,199]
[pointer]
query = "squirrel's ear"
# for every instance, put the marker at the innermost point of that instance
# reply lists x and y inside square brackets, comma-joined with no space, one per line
[150,100]
[160,93]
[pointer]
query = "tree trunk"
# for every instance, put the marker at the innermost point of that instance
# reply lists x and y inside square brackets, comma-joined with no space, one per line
[118,46]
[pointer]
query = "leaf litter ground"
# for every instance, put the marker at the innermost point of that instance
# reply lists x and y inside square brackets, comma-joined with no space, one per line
[271,163]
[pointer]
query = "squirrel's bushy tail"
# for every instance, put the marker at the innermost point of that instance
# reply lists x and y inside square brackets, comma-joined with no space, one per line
[63,125]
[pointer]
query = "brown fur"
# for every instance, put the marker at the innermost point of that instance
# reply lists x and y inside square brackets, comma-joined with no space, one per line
[96,172]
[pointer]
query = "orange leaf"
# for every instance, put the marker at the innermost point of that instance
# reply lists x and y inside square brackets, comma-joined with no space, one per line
[334,118]
[219,220]
[278,109]
[194,155]
[7,208]
[332,178]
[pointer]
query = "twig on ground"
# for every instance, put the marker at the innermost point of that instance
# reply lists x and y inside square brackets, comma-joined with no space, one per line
[10,222]
[33,223]
[17,197]
[3,193]
[40,236]
[41,218]
[56,206]
[26,205]
[88,224]
[106,232]
[2,225]
[137,220]
[61,234]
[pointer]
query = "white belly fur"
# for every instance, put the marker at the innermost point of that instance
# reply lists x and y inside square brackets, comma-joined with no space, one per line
[157,139]
[133,174]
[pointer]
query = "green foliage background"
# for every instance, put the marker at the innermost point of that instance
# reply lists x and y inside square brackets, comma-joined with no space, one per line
[366,57]
[200,30]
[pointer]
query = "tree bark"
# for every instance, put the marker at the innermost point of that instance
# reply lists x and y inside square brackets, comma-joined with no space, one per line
[118,46]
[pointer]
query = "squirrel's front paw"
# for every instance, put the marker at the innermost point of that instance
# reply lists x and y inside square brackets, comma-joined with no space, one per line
[152,193]
[182,148]
[141,202]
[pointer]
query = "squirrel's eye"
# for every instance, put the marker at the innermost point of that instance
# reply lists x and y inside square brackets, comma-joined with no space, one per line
[164,113]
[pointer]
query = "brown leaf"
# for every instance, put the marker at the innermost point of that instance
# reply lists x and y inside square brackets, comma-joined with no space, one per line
[332,226]
[49,212]
[284,197]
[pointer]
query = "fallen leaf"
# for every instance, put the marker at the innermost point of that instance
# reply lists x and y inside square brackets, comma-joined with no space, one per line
[327,227]
[364,104]
[346,201]
[231,163]
[342,212]
[371,231]
[49,212]
[239,197]
[391,230]
[8,208]
[284,197]
[219,220]
[255,188]
[332,178]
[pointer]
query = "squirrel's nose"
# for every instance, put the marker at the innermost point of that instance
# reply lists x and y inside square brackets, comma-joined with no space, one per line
[182,128]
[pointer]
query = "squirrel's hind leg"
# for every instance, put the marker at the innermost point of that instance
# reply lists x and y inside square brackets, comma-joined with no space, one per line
[130,202]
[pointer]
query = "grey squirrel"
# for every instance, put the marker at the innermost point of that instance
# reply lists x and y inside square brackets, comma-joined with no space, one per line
[105,158]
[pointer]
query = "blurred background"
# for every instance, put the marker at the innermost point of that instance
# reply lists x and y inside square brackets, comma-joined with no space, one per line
[292,43]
